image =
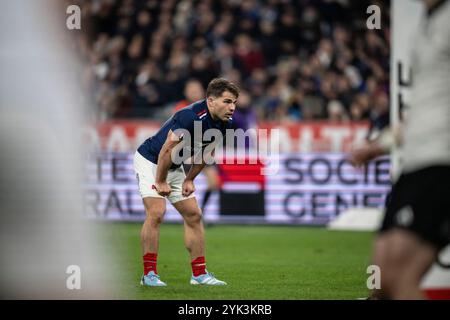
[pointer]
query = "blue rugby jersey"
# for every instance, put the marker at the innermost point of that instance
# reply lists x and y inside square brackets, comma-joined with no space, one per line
[183,119]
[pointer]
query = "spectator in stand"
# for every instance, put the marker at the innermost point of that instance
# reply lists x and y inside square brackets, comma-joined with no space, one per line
[329,54]
[193,91]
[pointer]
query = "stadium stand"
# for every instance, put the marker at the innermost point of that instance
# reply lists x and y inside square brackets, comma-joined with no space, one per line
[298,60]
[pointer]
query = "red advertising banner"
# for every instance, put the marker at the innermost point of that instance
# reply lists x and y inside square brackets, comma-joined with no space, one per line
[127,135]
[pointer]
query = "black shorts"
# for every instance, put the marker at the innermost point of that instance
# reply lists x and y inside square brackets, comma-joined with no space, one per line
[420,202]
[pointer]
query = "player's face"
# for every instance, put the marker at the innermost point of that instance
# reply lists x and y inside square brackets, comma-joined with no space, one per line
[223,107]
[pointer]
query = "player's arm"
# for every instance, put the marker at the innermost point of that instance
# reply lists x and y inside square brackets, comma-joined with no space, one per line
[164,164]
[365,153]
[188,184]
[194,171]
[373,149]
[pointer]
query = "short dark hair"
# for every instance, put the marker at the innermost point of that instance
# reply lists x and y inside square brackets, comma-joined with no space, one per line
[217,86]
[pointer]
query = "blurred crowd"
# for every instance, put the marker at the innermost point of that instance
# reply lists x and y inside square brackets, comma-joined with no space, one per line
[294,60]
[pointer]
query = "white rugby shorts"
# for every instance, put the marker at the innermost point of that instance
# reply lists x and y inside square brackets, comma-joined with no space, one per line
[146,173]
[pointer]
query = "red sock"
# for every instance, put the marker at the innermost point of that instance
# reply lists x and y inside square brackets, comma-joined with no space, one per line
[150,262]
[198,266]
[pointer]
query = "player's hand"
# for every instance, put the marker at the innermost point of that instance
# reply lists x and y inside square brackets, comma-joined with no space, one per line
[187,188]
[364,154]
[162,188]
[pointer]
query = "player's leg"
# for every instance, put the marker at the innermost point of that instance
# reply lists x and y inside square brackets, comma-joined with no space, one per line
[190,211]
[155,206]
[414,230]
[154,210]
[403,258]
[194,239]
[194,234]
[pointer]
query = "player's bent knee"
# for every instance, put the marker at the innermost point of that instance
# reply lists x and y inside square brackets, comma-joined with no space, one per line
[194,217]
[393,274]
[155,221]
[388,283]
[384,260]
[155,217]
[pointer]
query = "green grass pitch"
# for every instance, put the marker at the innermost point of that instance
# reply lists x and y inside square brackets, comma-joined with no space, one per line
[257,262]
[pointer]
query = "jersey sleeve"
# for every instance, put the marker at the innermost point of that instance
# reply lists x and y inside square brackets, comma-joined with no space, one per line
[183,120]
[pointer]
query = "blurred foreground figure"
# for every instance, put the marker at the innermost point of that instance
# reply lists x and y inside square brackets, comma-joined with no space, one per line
[416,225]
[48,250]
